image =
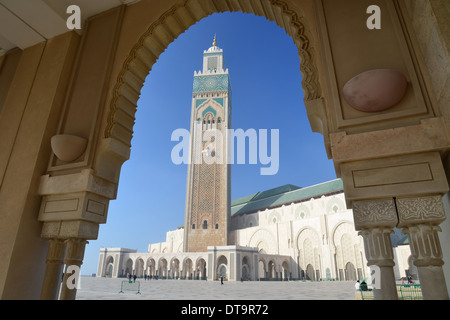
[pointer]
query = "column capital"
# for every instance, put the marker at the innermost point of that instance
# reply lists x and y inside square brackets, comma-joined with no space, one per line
[378,246]
[425,245]
[55,253]
[74,251]
[369,214]
[420,210]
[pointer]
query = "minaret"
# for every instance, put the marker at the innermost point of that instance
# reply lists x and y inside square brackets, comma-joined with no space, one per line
[208,187]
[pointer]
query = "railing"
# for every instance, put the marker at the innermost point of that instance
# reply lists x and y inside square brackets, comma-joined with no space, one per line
[128,285]
[404,291]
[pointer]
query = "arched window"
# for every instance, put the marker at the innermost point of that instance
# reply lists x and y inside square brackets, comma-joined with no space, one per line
[217,226]
[205,224]
[193,226]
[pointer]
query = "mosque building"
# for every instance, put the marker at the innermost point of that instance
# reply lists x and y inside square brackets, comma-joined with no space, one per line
[285,233]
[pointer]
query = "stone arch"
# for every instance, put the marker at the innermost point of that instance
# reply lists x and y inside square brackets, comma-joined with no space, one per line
[222,267]
[139,267]
[250,221]
[301,212]
[285,270]
[245,267]
[271,269]
[168,27]
[306,233]
[200,269]
[174,266]
[274,217]
[263,239]
[308,248]
[350,271]
[151,267]
[335,204]
[345,241]
[262,268]
[109,266]
[188,268]
[128,267]
[310,274]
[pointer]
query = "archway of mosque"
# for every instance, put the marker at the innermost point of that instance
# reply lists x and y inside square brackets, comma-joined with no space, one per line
[391,155]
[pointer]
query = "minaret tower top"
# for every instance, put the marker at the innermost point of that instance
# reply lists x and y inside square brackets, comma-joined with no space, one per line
[213,61]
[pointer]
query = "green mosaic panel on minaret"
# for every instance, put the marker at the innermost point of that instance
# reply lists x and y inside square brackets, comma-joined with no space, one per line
[211,83]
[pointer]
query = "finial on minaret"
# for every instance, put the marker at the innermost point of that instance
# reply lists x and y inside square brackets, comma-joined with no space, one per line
[215,42]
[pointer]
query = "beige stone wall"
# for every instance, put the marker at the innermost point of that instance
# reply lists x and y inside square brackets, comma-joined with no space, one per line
[28,119]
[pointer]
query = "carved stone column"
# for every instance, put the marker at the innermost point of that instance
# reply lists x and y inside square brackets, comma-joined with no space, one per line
[73,259]
[73,206]
[420,218]
[375,219]
[53,273]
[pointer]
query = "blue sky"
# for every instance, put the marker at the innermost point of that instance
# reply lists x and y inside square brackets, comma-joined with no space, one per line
[266,94]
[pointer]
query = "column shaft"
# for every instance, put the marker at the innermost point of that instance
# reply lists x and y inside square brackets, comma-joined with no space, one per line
[379,253]
[73,259]
[427,253]
[376,219]
[53,273]
[420,218]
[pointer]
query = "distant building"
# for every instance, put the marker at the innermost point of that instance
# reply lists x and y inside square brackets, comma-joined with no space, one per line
[283,233]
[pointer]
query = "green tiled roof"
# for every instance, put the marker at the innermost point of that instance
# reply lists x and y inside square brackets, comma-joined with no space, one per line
[283,195]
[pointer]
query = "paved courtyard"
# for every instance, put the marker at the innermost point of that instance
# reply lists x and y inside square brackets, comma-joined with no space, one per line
[108,289]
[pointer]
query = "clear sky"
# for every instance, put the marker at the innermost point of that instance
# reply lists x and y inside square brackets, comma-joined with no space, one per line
[266,94]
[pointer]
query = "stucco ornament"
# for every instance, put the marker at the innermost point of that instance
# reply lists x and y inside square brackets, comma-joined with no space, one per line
[375,90]
[68,147]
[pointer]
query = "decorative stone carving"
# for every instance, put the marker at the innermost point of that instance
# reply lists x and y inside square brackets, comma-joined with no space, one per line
[375,90]
[425,245]
[68,147]
[379,253]
[374,213]
[378,246]
[412,211]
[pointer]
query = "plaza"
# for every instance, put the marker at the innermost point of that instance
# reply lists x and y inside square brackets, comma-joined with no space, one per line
[92,288]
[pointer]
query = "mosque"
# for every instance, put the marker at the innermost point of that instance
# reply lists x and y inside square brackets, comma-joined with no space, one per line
[285,233]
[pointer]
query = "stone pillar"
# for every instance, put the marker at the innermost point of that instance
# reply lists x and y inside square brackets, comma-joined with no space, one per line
[375,220]
[53,273]
[73,259]
[420,218]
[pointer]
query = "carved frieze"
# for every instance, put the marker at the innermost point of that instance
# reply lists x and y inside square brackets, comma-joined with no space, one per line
[419,210]
[374,213]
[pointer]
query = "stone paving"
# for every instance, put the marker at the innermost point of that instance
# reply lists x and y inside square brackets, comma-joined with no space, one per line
[91,288]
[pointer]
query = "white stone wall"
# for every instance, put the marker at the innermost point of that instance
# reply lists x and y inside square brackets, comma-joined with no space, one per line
[316,235]
[310,232]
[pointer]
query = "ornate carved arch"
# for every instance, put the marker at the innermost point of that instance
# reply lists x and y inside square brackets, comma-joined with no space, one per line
[170,25]
[263,235]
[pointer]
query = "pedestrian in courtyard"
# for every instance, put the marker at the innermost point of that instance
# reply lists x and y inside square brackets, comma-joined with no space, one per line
[221,279]
[363,286]
[357,285]
[134,278]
